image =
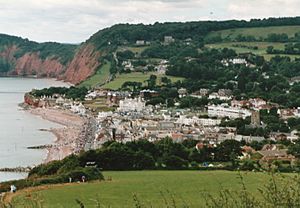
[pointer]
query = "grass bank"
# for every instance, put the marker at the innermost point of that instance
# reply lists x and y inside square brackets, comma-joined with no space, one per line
[156,188]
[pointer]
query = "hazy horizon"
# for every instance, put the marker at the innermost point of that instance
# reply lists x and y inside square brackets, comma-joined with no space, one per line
[74,21]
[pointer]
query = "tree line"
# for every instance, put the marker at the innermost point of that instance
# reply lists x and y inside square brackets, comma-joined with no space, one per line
[75,93]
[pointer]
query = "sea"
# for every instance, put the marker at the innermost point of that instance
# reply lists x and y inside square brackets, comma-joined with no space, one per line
[20,129]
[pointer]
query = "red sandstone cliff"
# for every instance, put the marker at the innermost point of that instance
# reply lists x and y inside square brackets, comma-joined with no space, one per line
[83,65]
[31,64]
[80,68]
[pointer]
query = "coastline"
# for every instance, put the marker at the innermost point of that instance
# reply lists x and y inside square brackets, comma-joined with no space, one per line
[69,138]
[35,77]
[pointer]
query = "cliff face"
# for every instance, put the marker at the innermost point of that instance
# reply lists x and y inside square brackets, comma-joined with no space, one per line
[31,64]
[83,65]
[80,68]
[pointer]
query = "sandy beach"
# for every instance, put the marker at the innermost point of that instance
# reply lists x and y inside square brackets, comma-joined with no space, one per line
[69,138]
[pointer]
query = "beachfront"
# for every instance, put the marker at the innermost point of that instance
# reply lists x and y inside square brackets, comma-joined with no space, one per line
[70,138]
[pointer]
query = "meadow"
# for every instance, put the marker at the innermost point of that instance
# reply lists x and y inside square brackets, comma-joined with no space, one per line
[150,188]
[247,47]
[258,32]
[135,49]
[135,77]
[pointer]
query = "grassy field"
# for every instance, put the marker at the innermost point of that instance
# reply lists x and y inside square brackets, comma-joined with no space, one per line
[150,187]
[98,105]
[98,78]
[258,32]
[262,47]
[136,50]
[135,77]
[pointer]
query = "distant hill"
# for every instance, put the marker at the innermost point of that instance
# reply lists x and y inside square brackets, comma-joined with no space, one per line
[20,56]
[75,63]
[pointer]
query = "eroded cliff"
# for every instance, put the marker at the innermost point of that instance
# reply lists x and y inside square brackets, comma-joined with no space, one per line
[83,64]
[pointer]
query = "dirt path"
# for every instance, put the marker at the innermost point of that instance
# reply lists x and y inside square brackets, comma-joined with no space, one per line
[8,197]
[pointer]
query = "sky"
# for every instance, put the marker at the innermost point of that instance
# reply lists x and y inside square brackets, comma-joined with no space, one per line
[74,21]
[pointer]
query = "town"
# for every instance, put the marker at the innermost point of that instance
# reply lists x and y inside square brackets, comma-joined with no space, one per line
[128,118]
[166,108]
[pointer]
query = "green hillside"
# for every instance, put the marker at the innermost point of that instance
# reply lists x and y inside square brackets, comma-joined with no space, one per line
[128,34]
[150,188]
[135,77]
[109,40]
[258,48]
[257,32]
[99,78]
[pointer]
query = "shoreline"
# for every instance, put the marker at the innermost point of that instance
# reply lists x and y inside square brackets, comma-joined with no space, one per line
[69,138]
[34,77]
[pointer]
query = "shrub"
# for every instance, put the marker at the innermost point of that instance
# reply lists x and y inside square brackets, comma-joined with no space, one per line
[46,169]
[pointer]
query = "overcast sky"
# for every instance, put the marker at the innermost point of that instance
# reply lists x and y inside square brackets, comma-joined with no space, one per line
[74,21]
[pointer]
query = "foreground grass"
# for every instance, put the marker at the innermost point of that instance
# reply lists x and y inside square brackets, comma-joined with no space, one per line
[156,188]
[135,77]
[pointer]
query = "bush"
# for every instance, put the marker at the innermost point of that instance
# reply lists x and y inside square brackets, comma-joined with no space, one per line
[46,169]
[90,173]
[174,162]
[69,163]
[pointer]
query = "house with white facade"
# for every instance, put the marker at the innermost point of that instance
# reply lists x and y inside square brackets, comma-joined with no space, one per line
[129,105]
[235,61]
[222,111]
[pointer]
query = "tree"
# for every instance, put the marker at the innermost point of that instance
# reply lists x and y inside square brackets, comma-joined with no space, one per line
[152,81]
[166,81]
[143,161]
[134,85]
[248,165]
[294,149]
[270,49]
[174,162]
[228,150]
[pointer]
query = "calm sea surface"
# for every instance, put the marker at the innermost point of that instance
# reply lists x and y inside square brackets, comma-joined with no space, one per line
[20,129]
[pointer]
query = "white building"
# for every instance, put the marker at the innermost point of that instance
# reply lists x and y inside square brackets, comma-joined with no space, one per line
[215,95]
[222,111]
[169,39]
[257,103]
[182,92]
[227,62]
[103,115]
[129,104]
[140,42]
[92,95]
[78,109]
[128,65]
[187,121]
[209,122]
[60,101]
[297,112]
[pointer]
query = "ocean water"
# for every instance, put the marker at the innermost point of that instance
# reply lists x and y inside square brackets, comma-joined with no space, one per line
[19,129]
